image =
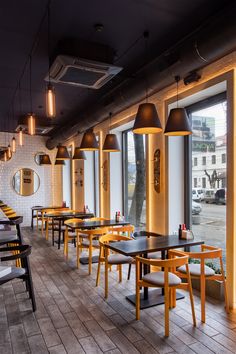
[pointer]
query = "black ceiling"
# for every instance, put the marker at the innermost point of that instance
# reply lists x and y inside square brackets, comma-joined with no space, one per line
[124,22]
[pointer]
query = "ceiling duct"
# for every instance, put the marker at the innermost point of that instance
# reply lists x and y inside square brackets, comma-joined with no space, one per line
[212,41]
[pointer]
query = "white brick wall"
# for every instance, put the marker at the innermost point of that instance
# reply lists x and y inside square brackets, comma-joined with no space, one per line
[50,190]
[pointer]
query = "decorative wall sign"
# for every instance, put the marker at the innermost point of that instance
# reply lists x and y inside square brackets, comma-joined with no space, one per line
[157,170]
[105,175]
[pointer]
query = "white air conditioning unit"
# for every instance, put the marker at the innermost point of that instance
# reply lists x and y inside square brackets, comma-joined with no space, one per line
[39,129]
[81,72]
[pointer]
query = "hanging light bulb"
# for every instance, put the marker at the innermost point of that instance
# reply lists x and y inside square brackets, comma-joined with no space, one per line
[5,156]
[9,152]
[50,102]
[21,137]
[147,120]
[31,124]
[50,93]
[13,142]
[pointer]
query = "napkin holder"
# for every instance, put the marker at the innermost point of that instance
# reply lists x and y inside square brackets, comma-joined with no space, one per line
[187,235]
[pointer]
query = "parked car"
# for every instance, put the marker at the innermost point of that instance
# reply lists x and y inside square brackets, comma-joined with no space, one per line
[198,194]
[210,195]
[196,208]
[220,196]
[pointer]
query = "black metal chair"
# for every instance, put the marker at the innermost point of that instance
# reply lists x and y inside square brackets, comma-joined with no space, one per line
[21,253]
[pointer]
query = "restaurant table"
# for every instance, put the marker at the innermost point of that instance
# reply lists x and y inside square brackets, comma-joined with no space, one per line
[143,246]
[92,225]
[63,215]
[40,208]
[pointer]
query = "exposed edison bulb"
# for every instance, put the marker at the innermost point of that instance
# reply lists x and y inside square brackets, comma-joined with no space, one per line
[9,151]
[50,102]
[31,124]
[5,156]
[21,137]
[13,143]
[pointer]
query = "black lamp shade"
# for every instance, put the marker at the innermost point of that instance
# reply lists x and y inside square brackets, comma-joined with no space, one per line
[147,120]
[62,153]
[89,141]
[111,143]
[59,162]
[178,123]
[78,154]
[45,160]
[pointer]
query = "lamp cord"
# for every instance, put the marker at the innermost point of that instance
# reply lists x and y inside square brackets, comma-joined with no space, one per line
[177,79]
[146,36]
[49,40]
[30,83]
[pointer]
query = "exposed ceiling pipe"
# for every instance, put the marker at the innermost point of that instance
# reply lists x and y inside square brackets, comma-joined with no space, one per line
[212,41]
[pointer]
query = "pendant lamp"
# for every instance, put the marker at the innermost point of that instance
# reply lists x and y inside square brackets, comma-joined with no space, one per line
[45,160]
[111,143]
[31,118]
[50,92]
[5,156]
[177,122]
[13,143]
[21,137]
[62,153]
[78,154]
[89,141]
[147,120]
[9,152]
[59,162]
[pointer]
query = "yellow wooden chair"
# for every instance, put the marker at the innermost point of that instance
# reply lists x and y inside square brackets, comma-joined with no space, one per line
[111,258]
[166,279]
[203,272]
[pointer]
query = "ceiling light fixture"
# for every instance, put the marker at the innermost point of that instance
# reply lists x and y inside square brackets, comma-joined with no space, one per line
[45,160]
[13,144]
[62,153]
[21,136]
[147,120]
[78,154]
[177,122]
[111,143]
[89,141]
[5,156]
[59,162]
[9,151]
[31,118]
[50,92]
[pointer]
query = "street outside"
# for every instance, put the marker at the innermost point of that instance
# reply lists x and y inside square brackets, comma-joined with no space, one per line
[212,227]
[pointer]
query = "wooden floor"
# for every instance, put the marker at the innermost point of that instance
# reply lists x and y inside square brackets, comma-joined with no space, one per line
[72,316]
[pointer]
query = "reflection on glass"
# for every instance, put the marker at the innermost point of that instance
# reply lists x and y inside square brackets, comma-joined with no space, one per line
[26,182]
[209,174]
[135,179]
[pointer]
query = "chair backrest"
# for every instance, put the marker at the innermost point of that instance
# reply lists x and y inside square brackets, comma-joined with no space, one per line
[95,218]
[22,251]
[112,238]
[127,229]
[146,234]
[73,220]
[94,232]
[207,252]
[179,260]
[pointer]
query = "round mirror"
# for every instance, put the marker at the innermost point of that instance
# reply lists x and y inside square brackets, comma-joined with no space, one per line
[4,156]
[26,182]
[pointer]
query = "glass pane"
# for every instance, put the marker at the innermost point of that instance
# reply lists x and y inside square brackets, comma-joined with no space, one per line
[96,182]
[209,147]
[135,180]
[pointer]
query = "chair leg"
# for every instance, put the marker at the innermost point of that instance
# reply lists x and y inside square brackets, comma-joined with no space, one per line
[203,298]
[167,325]
[66,244]
[137,291]
[30,284]
[129,271]
[120,272]
[77,251]
[90,257]
[98,270]
[190,289]
[106,275]
[225,286]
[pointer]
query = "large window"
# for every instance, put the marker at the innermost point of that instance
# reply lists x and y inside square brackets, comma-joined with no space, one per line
[209,143]
[134,185]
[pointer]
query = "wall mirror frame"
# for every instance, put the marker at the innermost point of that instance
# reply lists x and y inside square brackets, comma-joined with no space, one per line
[25,182]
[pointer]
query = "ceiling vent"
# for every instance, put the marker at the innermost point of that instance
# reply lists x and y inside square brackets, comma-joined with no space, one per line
[81,72]
[39,130]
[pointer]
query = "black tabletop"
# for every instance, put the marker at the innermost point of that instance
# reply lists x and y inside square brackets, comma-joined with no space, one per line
[95,224]
[48,207]
[69,214]
[155,244]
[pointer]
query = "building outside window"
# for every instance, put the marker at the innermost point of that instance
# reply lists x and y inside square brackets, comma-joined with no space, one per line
[213,159]
[203,182]
[195,161]
[223,158]
[204,160]
[195,182]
